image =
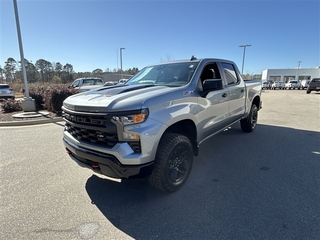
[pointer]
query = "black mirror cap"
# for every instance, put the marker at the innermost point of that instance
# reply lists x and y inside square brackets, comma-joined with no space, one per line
[212,84]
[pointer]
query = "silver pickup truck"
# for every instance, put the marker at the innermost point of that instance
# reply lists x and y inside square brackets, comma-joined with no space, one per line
[86,84]
[154,124]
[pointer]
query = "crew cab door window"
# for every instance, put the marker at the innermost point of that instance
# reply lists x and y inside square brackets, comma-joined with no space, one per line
[230,73]
[211,71]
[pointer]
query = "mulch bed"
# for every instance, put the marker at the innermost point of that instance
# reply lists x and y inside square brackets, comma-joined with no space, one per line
[8,117]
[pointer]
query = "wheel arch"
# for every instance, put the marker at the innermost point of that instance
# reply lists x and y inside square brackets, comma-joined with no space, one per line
[187,128]
[257,102]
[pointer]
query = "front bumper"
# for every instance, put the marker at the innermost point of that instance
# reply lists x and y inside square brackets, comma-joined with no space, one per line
[105,164]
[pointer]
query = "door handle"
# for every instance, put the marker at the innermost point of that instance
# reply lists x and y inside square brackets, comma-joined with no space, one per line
[242,90]
[224,95]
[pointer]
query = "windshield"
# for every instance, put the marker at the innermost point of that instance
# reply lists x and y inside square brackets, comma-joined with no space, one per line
[171,74]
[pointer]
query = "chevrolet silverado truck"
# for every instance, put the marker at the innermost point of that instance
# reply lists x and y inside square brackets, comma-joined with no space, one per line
[153,125]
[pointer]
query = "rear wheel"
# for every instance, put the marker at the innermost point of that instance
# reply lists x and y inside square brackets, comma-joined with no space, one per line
[249,124]
[308,91]
[173,162]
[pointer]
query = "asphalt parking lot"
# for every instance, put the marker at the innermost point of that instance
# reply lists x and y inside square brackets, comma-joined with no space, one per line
[260,185]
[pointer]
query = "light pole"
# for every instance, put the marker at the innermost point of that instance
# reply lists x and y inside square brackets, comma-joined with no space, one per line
[244,54]
[297,77]
[121,62]
[28,104]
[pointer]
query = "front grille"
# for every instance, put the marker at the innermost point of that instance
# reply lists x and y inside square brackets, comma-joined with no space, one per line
[100,137]
[95,129]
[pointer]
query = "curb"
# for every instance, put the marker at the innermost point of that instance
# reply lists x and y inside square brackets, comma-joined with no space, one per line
[30,122]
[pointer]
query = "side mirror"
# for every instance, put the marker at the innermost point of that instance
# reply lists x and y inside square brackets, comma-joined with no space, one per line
[212,84]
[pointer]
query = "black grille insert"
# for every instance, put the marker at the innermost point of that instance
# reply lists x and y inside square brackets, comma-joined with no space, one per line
[95,129]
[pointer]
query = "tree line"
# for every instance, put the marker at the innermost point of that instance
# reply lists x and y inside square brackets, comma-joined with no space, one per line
[45,71]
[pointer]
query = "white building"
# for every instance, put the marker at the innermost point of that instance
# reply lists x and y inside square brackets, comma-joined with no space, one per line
[290,74]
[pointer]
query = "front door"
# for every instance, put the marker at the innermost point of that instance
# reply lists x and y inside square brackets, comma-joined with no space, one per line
[215,103]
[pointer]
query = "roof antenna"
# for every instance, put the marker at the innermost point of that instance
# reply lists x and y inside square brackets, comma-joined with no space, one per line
[193,58]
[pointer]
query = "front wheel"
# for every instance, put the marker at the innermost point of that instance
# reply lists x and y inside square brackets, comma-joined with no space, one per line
[249,124]
[173,163]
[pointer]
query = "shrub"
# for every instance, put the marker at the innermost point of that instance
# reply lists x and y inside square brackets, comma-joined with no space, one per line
[56,80]
[55,96]
[38,94]
[11,106]
[17,87]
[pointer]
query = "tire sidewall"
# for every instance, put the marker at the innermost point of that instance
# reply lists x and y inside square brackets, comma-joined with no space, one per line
[247,123]
[253,113]
[170,157]
[161,172]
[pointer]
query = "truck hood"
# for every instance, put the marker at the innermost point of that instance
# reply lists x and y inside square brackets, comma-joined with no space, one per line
[114,98]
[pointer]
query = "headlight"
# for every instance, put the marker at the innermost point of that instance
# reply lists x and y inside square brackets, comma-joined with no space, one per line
[132,118]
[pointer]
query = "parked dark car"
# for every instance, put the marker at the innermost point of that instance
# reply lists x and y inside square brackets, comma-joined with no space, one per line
[314,85]
[6,92]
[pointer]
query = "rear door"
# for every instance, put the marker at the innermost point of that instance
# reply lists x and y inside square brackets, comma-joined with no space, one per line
[236,88]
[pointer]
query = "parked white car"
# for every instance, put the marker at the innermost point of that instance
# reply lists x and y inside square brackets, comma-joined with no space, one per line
[304,83]
[123,81]
[279,85]
[265,85]
[293,84]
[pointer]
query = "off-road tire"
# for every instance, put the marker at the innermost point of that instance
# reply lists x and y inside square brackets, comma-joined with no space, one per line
[249,124]
[173,162]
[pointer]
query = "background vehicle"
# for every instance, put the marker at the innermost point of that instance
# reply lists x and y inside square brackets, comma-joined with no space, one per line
[279,85]
[314,85]
[265,85]
[86,84]
[304,83]
[154,124]
[123,81]
[293,84]
[108,84]
[6,92]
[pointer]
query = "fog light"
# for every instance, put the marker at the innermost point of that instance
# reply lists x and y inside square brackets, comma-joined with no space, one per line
[131,136]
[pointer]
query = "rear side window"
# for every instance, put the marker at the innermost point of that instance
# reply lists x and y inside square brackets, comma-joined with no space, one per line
[4,86]
[88,82]
[231,74]
[98,82]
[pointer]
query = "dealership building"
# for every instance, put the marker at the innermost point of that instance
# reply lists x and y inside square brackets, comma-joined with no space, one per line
[286,75]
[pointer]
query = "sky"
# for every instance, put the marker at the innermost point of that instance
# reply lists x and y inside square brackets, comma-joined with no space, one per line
[88,34]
